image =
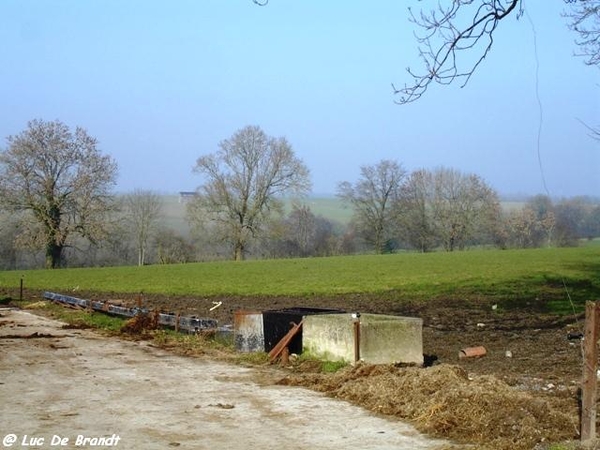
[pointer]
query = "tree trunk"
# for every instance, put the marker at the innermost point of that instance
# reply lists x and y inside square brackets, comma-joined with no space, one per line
[238,254]
[379,242]
[141,256]
[53,255]
[55,241]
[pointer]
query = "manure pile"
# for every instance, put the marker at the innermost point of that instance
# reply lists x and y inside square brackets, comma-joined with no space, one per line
[445,401]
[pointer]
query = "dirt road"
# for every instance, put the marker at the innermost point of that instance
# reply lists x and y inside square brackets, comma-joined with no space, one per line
[65,388]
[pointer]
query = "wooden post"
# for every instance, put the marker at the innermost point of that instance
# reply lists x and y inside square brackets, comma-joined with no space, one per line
[590,377]
[21,290]
[356,323]
[284,342]
[285,356]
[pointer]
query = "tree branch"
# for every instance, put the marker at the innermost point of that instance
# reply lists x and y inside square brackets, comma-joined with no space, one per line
[445,39]
[594,133]
[584,19]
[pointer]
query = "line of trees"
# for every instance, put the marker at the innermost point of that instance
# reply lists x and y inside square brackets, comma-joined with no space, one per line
[447,209]
[423,211]
[58,208]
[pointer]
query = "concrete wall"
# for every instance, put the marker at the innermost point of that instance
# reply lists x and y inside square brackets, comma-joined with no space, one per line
[383,339]
[391,339]
[329,336]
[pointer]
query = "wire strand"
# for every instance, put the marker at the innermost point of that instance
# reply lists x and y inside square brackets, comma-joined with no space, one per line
[539,137]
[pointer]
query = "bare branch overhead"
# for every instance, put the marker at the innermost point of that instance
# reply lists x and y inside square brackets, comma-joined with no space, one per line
[455,36]
[584,20]
[453,41]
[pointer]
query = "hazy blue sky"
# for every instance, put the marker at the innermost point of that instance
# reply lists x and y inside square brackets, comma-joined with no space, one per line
[160,83]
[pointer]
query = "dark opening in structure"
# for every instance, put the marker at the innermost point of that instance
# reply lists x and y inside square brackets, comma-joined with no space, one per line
[277,323]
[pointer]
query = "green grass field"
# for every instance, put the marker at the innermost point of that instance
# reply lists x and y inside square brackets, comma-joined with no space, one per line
[511,277]
[331,208]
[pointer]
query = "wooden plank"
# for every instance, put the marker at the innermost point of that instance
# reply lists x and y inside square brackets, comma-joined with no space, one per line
[283,343]
[590,377]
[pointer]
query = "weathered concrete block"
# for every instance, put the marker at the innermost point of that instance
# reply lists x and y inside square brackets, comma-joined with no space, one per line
[248,332]
[383,339]
[329,336]
[391,339]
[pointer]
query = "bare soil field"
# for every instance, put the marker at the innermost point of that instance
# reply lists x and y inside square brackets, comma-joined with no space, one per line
[523,394]
[541,350]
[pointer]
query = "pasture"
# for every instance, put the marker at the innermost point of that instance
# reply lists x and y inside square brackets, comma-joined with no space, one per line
[548,277]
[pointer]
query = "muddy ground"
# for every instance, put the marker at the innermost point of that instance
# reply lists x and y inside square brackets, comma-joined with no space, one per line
[524,392]
[539,343]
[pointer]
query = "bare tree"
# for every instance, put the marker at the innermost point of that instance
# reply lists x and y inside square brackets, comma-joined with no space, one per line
[143,212]
[301,234]
[540,222]
[172,247]
[9,228]
[302,229]
[526,228]
[245,179]
[544,219]
[62,180]
[591,225]
[415,216]
[372,198]
[571,216]
[463,205]
[448,208]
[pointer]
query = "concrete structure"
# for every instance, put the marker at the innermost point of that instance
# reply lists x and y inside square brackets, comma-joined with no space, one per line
[256,331]
[248,331]
[184,196]
[382,339]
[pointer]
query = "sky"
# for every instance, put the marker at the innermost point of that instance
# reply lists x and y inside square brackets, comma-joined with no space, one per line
[161,83]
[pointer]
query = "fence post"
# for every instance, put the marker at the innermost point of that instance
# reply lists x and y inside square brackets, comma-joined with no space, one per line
[356,333]
[590,377]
